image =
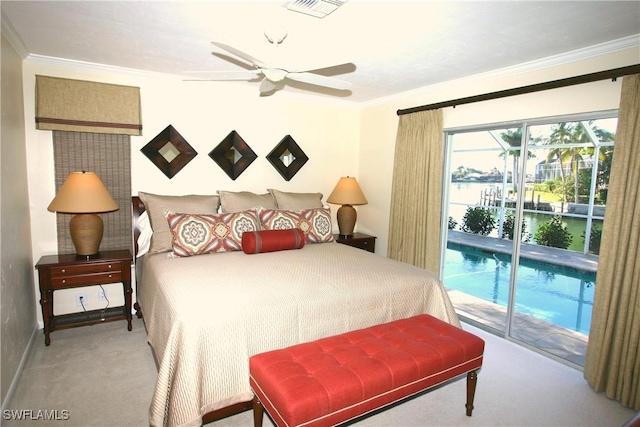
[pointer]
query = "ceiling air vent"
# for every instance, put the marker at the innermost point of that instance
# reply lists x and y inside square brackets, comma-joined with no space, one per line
[317,8]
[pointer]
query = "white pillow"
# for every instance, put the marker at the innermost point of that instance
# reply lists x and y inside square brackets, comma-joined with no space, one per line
[144,239]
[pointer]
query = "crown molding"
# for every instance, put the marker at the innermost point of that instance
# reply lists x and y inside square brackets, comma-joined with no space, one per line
[572,56]
[90,66]
[612,46]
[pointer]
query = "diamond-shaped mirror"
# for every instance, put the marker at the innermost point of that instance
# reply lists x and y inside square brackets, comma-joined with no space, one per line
[169,151]
[287,157]
[233,155]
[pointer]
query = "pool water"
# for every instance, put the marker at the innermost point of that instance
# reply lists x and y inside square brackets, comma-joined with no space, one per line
[559,295]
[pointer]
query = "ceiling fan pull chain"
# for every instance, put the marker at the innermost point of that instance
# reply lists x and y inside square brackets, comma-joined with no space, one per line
[275,34]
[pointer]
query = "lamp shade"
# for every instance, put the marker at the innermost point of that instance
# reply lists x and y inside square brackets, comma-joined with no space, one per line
[347,192]
[83,192]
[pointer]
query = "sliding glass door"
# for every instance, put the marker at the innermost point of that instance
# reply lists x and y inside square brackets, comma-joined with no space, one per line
[525,203]
[477,268]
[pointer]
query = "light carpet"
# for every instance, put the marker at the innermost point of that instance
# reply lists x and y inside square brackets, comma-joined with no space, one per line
[103,375]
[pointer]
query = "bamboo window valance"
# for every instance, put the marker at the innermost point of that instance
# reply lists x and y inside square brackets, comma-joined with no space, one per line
[84,106]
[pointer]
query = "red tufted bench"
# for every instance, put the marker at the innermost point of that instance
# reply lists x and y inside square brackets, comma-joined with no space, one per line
[336,379]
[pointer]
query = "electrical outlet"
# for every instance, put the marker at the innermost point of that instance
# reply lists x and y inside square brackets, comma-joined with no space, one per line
[83,296]
[102,294]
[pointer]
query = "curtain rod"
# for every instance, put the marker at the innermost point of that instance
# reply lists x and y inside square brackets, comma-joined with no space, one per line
[554,84]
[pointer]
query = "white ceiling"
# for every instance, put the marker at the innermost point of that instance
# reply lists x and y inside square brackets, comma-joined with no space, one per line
[396,46]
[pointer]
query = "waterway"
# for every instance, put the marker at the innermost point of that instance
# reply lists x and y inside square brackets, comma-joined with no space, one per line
[469,193]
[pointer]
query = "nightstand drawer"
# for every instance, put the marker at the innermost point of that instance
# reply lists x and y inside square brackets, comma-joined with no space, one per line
[368,243]
[63,282]
[358,240]
[75,270]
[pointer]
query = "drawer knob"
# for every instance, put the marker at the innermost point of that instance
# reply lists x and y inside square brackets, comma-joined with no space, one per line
[64,280]
[110,276]
[64,270]
[109,265]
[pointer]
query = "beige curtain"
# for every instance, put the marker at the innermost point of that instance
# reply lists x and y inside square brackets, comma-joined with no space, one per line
[83,106]
[416,192]
[613,354]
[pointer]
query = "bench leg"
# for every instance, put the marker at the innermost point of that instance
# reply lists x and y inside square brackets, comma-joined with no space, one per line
[472,379]
[258,411]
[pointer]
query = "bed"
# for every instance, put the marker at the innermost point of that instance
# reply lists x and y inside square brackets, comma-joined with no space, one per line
[206,314]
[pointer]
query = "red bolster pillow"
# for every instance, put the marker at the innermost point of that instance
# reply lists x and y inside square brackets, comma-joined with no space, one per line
[255,242]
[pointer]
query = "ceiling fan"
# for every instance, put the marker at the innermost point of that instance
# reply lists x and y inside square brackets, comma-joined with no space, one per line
[274,76]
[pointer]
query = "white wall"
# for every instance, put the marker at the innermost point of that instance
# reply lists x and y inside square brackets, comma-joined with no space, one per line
[339,137]
[379,121]
[203,113]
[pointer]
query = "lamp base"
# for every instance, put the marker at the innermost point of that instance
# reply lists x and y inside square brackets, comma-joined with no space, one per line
[347,216]
[86,233]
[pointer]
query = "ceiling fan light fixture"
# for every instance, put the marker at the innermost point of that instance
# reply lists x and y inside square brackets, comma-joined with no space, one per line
[317,8]
[274,74]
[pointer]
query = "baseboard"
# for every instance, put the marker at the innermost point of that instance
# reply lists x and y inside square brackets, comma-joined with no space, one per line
[16,378]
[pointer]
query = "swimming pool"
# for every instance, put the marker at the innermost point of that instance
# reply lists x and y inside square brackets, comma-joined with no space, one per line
[559,295]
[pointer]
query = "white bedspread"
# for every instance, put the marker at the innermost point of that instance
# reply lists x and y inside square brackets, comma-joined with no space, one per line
[205,315]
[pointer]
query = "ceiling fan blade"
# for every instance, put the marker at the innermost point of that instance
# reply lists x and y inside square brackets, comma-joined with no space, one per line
[318,80]
[240,54]
[225,75]
[347,67]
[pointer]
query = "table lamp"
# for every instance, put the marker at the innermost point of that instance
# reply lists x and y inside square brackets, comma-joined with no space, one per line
[84,194]
[347,193]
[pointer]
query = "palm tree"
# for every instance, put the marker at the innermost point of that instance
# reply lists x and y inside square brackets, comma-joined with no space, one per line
[570,157]
[604,172]
[513,137]
[561,134]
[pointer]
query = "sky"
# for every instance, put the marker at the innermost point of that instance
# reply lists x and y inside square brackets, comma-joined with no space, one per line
[479,150]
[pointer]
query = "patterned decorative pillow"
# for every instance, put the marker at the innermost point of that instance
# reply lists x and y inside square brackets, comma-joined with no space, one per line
[314,223]
[196,234]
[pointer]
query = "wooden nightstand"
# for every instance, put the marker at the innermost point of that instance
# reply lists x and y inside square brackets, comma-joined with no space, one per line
[73,271]
[358,240]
